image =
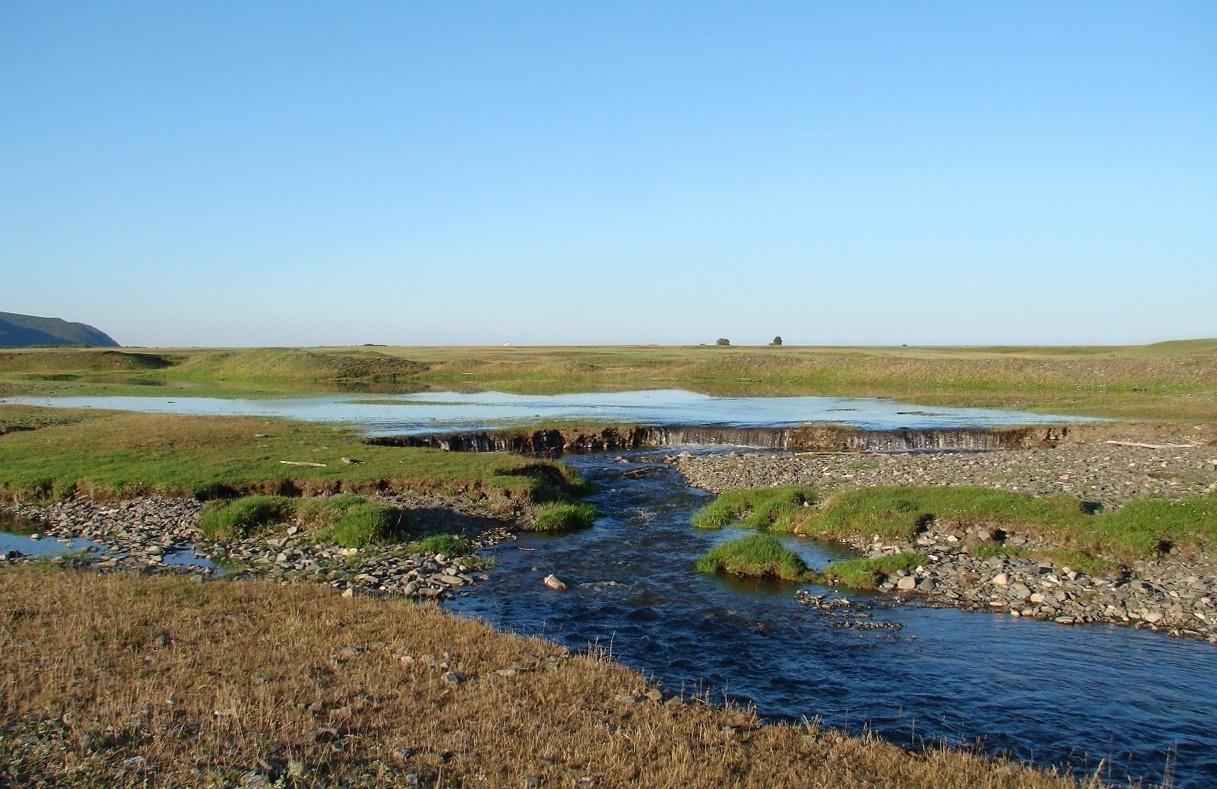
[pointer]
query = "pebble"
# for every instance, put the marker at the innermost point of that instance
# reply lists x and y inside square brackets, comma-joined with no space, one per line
[138,535]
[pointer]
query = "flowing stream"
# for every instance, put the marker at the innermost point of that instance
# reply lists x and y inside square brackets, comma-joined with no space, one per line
[1125,703]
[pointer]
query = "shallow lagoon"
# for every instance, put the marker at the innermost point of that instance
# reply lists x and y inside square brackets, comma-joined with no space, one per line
[431,412]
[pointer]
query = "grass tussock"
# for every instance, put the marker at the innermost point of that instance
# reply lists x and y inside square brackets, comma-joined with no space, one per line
[112,455]
[127,681]
[447,544]
[235,520]
[346,520]
[869,573]
[1139,529]
[764,509]
[563,516]
[351,521]
[754,556]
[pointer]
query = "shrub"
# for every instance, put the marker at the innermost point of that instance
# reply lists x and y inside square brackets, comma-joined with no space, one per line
[230,520]
[722,341]
[560,516]
[754,556]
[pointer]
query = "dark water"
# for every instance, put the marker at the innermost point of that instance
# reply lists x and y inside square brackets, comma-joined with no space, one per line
[1141,704]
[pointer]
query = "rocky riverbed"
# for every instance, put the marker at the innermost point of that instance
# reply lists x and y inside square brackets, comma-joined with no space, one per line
[158,535]
[1175,594]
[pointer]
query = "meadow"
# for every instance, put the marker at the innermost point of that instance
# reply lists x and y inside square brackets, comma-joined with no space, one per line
[1164,381]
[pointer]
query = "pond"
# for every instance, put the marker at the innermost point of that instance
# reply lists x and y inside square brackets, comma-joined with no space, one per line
[432,412]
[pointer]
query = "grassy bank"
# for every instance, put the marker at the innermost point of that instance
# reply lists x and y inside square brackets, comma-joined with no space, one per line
[1164,381]
[110,686]
[1089,540]
[109,454]
[1138,530]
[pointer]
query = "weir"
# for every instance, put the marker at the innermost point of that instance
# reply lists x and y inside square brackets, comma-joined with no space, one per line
[577,440]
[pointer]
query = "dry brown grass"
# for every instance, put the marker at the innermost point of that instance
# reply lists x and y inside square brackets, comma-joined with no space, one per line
[113,680]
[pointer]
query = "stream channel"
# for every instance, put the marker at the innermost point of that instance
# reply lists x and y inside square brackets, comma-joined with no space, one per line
[1127,704]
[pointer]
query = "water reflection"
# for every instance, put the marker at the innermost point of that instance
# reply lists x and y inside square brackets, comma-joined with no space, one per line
[431,412]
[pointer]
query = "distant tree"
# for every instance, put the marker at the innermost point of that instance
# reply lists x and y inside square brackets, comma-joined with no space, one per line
[777,340]
[722,341]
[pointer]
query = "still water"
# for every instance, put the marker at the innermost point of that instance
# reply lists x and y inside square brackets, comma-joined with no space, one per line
[431,412]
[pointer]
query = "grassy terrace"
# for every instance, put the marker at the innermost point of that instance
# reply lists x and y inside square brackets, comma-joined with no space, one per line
[108,454]
[1164,381]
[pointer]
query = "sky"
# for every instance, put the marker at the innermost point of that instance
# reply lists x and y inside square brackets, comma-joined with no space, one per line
[453,173]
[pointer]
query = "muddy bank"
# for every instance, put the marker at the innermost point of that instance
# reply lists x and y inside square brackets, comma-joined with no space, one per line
[1173,593]
[559,440]
[553,441]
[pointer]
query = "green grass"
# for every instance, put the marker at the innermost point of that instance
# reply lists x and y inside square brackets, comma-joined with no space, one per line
[900,513]
[561,516]
[1164,381]
[112,455]
[351,521]
[447,544]
[753,556]
[1137,530]
[764,509]
[869,573]
[234,520]
[297,364]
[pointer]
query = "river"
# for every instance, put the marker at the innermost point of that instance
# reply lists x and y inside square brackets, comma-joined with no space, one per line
[1120,702]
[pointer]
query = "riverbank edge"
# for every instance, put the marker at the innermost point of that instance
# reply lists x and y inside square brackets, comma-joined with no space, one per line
[1174,593]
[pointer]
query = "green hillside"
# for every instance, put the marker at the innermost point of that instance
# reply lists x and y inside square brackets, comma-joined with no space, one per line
[22,331]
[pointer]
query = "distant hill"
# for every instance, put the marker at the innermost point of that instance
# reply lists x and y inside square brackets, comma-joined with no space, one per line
[21,331]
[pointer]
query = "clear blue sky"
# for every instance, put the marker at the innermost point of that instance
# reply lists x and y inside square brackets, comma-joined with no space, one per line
[295,173]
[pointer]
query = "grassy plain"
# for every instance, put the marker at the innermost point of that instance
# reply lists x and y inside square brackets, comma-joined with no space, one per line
[122,680]
[106,454]
[1164,381]
[114,680]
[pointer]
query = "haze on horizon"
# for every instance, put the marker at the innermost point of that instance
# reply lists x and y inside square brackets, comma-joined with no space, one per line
[228,174]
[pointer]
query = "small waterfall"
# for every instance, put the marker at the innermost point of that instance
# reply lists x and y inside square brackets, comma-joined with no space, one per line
[556,441]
